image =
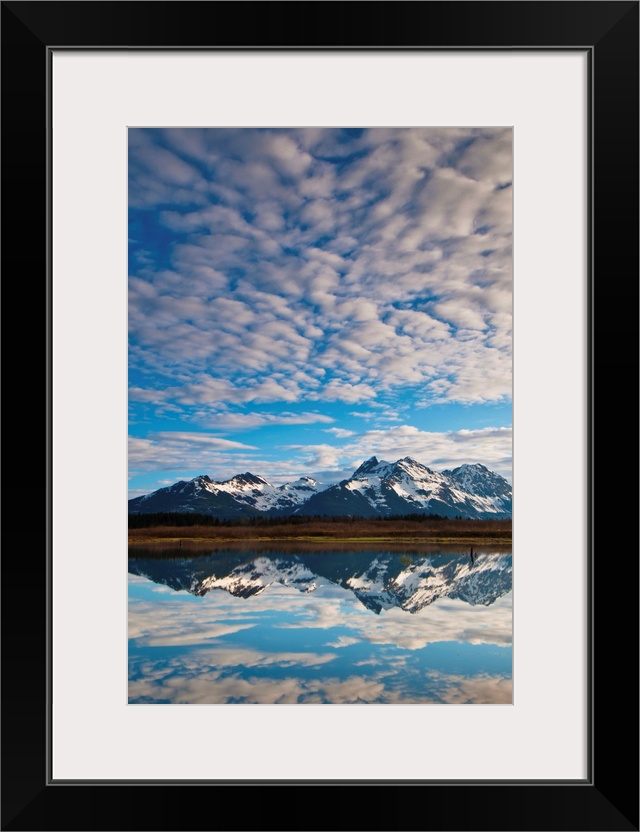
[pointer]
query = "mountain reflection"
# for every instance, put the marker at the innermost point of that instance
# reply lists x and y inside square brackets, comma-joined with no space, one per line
[380,580]
[293,624]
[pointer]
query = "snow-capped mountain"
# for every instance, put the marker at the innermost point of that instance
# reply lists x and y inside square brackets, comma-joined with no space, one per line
[244,495]
[376,489]
[479,481]
[379,581]
[379,488]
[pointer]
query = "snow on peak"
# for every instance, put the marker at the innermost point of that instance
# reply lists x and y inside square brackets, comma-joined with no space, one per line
[367,467]
[301,489]
[373,466]
[413,468]
[474,466]
[202,478]
[247,478]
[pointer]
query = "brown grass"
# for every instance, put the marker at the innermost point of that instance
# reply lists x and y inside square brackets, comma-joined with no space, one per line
[442,530]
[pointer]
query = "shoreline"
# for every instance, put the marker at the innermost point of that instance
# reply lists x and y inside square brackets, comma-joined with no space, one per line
[398,540]
[318,532]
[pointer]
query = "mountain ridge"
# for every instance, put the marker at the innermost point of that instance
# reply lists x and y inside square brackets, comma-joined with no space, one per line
[377,488]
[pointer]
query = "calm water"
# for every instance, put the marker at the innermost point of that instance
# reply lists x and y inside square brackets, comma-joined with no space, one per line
[267,624]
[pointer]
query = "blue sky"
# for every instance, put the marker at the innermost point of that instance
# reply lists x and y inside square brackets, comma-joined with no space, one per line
[302,299]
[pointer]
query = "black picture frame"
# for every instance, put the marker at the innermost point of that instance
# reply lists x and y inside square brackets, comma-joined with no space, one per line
[608,798]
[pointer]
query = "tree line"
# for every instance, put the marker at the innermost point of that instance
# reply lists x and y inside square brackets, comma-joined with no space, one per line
[174,518]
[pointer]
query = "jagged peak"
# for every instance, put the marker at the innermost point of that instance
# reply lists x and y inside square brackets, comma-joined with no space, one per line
[469,468]
[249,478]
[202,478]
[368,466]
[409,461]
[300,482]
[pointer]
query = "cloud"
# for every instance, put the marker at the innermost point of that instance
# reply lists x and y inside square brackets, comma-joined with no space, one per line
[175,450]
[488,158]
[222,458]
[491,446]
[381,259]
[242,421]
[340,433]
[322,456]
[198,439]
[344,392]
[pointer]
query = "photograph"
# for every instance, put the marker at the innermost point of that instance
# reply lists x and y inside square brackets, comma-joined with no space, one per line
[320,415]
[335,302]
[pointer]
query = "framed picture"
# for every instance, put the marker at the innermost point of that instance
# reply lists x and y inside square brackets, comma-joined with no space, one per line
[562,78]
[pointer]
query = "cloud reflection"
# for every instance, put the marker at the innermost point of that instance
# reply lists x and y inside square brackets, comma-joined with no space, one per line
[210,688]
[476,690]
[222,649]
[195,681]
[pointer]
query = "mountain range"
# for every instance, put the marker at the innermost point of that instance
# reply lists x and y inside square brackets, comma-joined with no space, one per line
[375,489]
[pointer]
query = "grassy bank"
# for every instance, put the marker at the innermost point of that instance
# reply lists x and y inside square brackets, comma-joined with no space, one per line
[319,531]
